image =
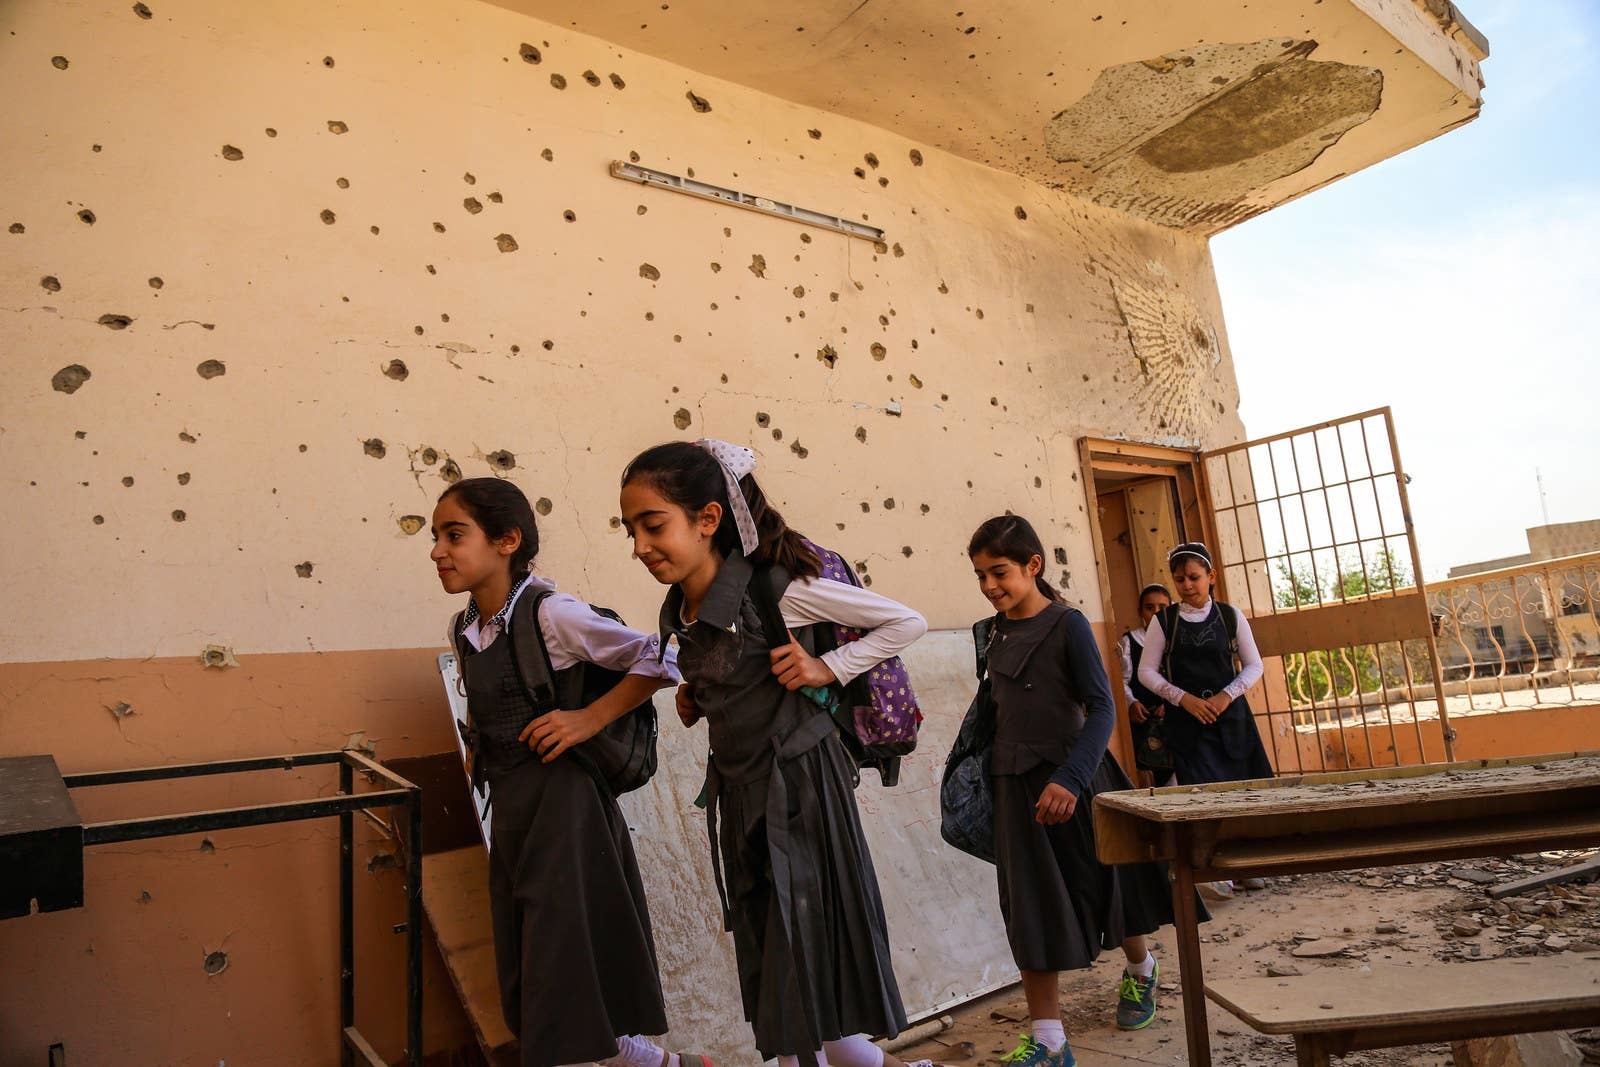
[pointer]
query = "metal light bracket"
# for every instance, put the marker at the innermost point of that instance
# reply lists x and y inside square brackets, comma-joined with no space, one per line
[633,172]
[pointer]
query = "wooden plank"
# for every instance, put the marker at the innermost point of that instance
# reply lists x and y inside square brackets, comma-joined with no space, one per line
[1342,625]
[455,894]
[41,838]
[1352,790]
[1335,999]
[1570,873]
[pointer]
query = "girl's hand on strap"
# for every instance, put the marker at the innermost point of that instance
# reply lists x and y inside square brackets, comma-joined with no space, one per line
[688,710]
[1056,805]
[551,735]
[1138,712]
[1219,702]
[796,668]
[1199,708]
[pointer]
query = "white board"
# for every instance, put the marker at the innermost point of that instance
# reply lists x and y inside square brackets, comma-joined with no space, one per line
[455,692]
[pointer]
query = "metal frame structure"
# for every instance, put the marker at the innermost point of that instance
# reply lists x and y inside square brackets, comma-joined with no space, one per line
[400,793]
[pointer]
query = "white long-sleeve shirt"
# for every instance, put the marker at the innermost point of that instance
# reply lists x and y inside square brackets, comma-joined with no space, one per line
[891,626]
[1155,646]
[573,631]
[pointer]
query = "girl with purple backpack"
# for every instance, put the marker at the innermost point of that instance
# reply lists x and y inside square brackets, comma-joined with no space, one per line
[793,871]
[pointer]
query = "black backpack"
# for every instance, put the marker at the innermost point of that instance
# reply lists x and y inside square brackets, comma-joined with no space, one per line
[621,757]
[1169,621]
[966,794]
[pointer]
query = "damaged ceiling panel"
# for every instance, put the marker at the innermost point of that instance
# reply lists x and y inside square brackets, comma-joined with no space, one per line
[1194,116]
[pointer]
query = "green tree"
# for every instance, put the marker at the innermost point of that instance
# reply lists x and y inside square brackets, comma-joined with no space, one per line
[1346,672]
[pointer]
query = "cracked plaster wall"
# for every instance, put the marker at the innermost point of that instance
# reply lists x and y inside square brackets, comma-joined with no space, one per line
[274,273]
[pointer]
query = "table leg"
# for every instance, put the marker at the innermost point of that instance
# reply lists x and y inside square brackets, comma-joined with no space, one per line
[1310,1050]
[1190,970]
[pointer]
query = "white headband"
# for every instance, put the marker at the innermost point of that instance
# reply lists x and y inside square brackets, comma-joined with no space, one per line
[736,461]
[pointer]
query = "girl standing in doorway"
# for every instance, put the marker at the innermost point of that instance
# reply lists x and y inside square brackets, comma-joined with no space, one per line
[1146,711]
[796,879]
[1054,717]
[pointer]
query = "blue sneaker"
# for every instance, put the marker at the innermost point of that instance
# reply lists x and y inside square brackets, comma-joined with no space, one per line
[1136,1000]
[1032,1053]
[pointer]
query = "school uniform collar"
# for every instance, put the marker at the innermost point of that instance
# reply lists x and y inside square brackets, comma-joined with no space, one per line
[719,609]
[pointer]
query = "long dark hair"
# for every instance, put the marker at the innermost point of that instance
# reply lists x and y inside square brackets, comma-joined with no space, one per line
[1012,537]
[499,507]
[690,477]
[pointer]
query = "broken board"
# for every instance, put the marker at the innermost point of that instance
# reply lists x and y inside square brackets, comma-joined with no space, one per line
[455,692]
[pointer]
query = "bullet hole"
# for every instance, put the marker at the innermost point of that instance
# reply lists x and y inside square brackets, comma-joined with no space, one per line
[211,368]
[119,711]
[861,434]
[699,103]
[411,525]
[591,77]
[898,251]
[880,248]
[231,154]
[859,173]
[617,82]
[469,178]
[926,509]
[649,272]
[438,227]
[681,418]
[50,283]
[472,205]
[496,198]
[758,265]
[916,158]
[397,370]
[872,160]
[828,355]
[183,478]
[883,182]
[303,569]
[866,580]
[879,352]
[633,157]
[86,217]
[905,550]
[548,345]
[978,312]
[127,480]
[649,316]
[327,61]
[543,505]
[943,288]
[777,435]
[500,459]
[799,449]
[206,845]
[374,447]
[336,127]
[188,438]
[529,53]
[799,291]
[382,861]
[816,135]
[558,81]
[429,456]
[616,522]
[505,242]
[716,268]
[59,62]
[1021,214]
[1028,308]
[141,10]
[328,217]
[270,133]
[216,962]
[763,419]
[179,515]
[865,507]
[547,155]
[417,330]
[916,383]
[1061,555]
[994,401]
[17,227]
[888,504]
[155,283]
[450,471]
[374,230]
[99,520]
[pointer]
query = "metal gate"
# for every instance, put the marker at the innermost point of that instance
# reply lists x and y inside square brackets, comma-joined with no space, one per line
[1314,541]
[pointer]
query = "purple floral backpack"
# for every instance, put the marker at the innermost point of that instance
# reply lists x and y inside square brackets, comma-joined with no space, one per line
[877,713]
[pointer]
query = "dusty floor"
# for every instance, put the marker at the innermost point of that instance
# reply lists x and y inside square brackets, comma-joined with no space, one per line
[1403,915]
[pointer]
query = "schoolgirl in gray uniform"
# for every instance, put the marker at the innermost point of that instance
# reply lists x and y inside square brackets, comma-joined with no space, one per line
[1054,717]
[573,948]
[798,889]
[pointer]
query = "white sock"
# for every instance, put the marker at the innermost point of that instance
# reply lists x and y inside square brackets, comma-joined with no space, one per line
[1145,969]
[855,1051]
[1049,1033]
[636,1051]
[821,1060]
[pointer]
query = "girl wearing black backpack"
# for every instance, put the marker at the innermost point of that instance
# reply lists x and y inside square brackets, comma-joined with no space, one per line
[1189,662]
[793,872]
[1053,720]
[573,948]
[1146,712]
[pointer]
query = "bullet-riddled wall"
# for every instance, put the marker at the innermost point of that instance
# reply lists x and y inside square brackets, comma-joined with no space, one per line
[275,273]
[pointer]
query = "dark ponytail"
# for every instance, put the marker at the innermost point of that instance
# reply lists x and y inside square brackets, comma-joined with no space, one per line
[1012,537]
[690,477]
[498,507]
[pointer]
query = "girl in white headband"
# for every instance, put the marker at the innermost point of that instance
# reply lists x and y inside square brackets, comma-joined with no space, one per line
[793,872]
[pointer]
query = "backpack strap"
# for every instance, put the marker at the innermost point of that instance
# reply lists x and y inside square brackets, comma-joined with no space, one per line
[1168,617]
[528,652]
[982,637]
[1230,619]
[767,586]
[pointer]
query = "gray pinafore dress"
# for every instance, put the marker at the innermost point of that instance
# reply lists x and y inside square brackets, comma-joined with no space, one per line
[572,941]
[1061,905]
[794,874]
[1200,661]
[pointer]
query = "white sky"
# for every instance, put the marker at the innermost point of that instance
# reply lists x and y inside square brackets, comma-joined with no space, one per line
[1458,283]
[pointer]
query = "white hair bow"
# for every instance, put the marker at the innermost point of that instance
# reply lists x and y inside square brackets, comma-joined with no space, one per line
[736,461]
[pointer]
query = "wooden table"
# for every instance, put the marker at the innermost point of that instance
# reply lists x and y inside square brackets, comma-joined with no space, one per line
[1342,821]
